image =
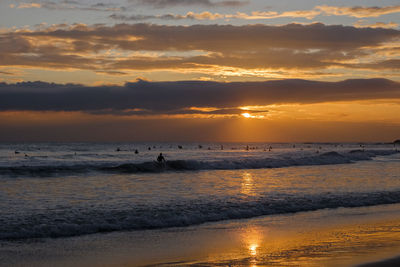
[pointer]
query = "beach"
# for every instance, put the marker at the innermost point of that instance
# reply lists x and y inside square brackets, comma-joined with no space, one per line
[341,237]
[102,205]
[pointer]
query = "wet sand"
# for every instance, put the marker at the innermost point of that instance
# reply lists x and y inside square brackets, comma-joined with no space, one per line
[338,237]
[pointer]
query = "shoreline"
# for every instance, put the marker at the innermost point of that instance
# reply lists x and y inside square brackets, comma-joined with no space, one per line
[330,237]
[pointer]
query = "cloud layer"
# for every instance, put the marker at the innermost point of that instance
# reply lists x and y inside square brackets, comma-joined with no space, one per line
[206,3]
[357,12]
[202,48]
[187,97]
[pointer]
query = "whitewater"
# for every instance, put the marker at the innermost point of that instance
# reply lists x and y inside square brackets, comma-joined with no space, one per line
[55,190]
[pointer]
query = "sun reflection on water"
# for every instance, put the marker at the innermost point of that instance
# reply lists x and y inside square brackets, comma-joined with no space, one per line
[253,249]
[251,239]
[247,184]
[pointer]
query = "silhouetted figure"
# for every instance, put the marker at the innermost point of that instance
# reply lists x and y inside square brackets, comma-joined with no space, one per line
[222,147]
[26,156]
[118,149]
[247,147]
[200,146]
[149,148]
[160,158]
[180,147]
[136,151]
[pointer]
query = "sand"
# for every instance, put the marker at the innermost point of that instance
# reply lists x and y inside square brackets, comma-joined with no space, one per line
[338,237]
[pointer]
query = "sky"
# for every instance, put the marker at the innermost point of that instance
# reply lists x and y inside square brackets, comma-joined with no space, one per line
[200,70]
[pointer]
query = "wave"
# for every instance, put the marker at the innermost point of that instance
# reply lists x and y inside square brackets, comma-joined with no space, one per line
[327,158]
[75,221]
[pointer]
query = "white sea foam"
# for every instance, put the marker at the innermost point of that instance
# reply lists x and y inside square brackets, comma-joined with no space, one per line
[79,222]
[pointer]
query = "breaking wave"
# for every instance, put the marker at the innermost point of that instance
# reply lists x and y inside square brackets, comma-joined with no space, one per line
[194,165]
[75,221]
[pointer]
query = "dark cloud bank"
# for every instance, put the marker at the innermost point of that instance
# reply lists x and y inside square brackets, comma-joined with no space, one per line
[144,97]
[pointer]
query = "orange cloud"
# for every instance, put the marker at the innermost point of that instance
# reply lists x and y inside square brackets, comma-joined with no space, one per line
[358,11]
[365,24]
[29,5]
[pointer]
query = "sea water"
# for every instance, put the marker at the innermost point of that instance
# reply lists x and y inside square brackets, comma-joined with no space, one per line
[53,190]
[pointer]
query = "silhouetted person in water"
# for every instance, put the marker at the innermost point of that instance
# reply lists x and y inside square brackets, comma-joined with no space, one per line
[136,151]
[160,158]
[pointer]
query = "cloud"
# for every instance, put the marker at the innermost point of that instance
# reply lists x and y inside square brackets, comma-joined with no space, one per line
[391,64]
[6,73]
[111,72]
[28,5]
[203,48]
[186,97]
[173,3]
[359,11]
[69,5]
[308,14]
[189,15]
[365,24]
[206,15]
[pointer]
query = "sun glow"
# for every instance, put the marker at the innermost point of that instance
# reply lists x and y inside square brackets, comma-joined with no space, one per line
[251,116]
[246,115]
[253,249]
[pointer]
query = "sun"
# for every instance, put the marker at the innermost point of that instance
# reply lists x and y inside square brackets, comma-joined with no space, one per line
[246,115]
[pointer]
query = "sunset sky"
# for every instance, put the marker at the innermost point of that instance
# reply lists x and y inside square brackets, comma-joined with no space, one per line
[199,70]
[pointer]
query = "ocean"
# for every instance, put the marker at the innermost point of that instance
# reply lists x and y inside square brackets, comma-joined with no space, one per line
[59,190]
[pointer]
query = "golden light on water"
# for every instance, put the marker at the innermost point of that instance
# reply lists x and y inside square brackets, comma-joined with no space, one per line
[252,238]
[253,249]
[247,184]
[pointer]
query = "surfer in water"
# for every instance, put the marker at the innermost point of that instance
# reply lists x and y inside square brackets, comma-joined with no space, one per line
[161,159]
